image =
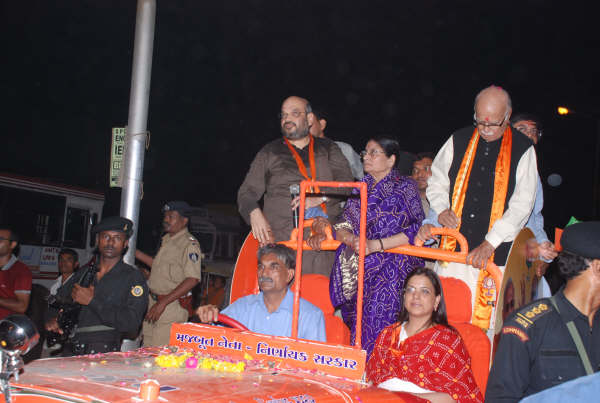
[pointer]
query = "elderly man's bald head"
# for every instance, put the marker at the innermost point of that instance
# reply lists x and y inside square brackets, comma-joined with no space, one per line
[496,94]
[493,108]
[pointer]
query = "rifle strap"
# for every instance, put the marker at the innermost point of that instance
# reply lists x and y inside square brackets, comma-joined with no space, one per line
[576,339]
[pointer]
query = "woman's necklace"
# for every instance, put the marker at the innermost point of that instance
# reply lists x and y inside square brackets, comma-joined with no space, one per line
[403,326]
[425,326]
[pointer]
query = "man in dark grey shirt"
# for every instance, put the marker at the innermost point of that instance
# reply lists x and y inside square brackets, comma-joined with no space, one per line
[289,160]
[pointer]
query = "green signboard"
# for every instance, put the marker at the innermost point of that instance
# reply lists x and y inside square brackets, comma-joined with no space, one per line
[117,153]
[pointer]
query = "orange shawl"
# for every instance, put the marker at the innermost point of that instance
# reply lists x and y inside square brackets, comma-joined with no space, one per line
[485,297]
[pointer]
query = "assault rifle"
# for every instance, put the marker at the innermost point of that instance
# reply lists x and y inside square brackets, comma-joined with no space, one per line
[68,313]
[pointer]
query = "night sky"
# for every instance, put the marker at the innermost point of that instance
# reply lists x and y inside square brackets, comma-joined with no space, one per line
[222,68]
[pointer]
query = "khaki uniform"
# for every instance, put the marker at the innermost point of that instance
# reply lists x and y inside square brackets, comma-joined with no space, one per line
[178,258]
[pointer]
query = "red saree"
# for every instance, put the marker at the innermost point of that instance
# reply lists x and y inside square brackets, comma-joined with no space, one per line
[435,359]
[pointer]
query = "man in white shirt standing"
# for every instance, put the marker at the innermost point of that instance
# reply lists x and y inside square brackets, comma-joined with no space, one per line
[531,127]
[68,262]
[483,183]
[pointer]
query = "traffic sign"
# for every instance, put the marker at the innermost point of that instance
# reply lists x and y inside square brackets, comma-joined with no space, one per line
[117,153]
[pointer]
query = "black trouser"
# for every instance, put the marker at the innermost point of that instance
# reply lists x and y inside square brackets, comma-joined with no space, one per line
[93,343]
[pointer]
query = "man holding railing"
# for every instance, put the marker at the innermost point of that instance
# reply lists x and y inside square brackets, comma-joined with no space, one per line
[286,161]
[483,183]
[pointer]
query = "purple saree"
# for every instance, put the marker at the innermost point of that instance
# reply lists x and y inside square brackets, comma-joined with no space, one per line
[393,206]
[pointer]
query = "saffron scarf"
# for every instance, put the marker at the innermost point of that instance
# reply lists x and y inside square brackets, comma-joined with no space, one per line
[485,296]
[302,166]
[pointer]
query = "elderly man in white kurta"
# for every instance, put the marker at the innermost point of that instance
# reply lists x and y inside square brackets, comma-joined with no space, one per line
[483,183]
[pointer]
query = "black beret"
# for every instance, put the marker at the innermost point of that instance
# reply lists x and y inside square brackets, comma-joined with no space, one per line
[180,206]
[582,239]
[114,224]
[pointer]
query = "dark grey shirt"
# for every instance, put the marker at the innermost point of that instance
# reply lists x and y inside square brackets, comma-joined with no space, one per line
[274,169]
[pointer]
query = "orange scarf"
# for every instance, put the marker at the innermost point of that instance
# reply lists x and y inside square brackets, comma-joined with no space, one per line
[302,166]
[485,295]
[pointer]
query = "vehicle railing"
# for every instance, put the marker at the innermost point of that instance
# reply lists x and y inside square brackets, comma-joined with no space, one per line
[298,243]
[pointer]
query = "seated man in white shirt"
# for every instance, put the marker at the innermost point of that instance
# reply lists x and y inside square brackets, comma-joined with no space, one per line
[270,311]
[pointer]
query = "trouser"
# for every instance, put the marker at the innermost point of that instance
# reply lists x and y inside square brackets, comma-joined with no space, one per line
[159,332]
[317,262]
[92,343]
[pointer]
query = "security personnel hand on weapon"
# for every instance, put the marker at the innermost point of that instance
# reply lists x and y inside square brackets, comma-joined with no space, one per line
[113,301]
[83,295]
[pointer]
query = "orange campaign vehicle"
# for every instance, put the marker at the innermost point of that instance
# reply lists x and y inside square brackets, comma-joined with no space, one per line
[205,363]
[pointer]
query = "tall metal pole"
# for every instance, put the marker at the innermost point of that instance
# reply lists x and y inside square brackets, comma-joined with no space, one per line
[133,163]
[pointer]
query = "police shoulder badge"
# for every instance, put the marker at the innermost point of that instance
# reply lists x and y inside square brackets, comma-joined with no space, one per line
[193,257]
[137,291]
[527,315]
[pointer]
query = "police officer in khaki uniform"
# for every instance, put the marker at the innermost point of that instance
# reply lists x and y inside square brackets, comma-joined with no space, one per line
[175,271]
[537,349]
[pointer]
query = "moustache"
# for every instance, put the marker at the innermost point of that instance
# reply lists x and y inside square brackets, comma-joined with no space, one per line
[265,279]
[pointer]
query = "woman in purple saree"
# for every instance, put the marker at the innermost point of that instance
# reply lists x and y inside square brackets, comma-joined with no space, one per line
[394,214]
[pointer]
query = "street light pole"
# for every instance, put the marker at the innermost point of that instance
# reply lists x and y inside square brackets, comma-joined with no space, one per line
[135,147]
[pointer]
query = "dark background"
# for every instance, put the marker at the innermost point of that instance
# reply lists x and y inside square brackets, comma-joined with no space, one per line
[221,70]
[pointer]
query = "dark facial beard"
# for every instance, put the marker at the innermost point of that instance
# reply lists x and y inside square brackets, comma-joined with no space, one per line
[300,133]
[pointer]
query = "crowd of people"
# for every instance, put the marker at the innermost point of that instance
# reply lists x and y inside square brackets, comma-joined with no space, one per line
[483,182]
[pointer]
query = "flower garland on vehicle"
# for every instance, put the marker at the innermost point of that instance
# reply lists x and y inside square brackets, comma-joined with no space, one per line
[193,361]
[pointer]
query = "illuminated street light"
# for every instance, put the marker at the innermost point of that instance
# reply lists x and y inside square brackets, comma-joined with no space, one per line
[562,110]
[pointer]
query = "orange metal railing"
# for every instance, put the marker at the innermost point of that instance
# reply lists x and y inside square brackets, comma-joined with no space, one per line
[298,243]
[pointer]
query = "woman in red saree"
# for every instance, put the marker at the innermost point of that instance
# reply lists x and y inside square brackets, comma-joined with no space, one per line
[422,354]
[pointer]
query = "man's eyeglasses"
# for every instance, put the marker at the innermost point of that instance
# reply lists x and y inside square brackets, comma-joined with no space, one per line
[5,239]
[296,114]
[487,125]
[373,153]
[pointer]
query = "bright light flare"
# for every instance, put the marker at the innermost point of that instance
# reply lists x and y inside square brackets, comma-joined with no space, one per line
[563,110]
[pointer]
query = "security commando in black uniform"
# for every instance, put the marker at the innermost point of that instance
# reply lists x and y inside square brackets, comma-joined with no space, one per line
[115,303]
[554,340]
